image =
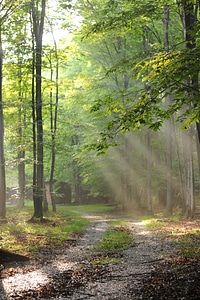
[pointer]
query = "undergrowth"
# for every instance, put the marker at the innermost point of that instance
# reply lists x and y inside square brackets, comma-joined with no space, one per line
[185,234]
[19,235]
[114,240]
[188,245]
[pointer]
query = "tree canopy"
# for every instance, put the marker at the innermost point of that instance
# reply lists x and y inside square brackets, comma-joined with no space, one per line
[88,75]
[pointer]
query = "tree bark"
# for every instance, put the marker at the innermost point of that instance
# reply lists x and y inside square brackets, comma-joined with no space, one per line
[168,127]
[21,152]
[169,200]
[149,172]
[127,176]
[77,173]
[189,21]
[189,174]
[2,158]
[54,128]
[34,123]
[38,27]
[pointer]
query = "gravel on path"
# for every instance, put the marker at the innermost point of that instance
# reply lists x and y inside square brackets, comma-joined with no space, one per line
[68,273]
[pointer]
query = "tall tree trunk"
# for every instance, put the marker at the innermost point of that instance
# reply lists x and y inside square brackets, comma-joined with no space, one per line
[189,174]
[53,129]
[127,196]
[21,175]
[77,173]
[38,27]
[51,179]
[2,158]
[127,150]
[168,102]
[7,8]
[34,124]
[180,170]
[21,178]
[149,172]
[169,196]
[189,22]
[198,143]
[21,152]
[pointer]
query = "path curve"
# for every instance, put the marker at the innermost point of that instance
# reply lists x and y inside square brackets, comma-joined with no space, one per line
[145,252]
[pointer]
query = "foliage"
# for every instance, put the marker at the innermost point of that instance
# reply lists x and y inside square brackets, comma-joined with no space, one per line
[156,69]
[114,240]
[114,75]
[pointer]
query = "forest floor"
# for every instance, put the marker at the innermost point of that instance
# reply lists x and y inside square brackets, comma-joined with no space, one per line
[151,267]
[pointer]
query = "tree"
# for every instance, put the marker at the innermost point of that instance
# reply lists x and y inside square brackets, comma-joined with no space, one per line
[38,27]
[2,159]
[162,71]
[169,123]
[53,122]
[7,8]
[190,11]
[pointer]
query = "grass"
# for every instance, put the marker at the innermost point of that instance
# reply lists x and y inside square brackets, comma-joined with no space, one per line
[189,245]
[75,226]
[185,234]
[114,241]
[118,223]
[153,224]
[105,260]
[20,236]
[26,238]
[97,208]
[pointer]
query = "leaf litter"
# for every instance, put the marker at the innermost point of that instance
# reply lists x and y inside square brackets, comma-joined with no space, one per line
[151,268]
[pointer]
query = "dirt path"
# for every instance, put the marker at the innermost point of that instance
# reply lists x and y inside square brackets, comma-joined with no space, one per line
[71,273]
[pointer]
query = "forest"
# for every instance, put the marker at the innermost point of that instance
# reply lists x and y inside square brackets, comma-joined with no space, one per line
[99,103]
[99,149]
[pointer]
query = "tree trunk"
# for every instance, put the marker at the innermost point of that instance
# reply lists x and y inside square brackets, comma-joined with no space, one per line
[189,174]
[198,144]
[169,203]
[53,130]
[127,200]
[2,158]
[51,180]
[21,178]
[77,172]
[189,22]
[34,121]
[180,170]
[38,26]
[149,172]
[21,152]
[168,102]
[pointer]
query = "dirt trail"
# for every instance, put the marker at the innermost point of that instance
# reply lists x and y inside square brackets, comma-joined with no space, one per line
[71,274]
[36,275]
